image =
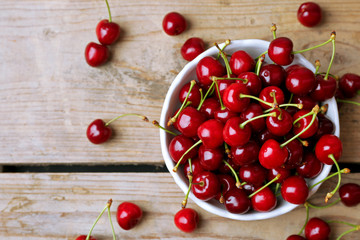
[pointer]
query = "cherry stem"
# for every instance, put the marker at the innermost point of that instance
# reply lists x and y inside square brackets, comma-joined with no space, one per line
[258,64]
[331,60]
[330,194]
[262,54]
[111,223]
[108,7]
[128,114]
[286,105]
[273,30]
[356,228]
[227,150]
[173,119]
[184,202]
[255,98]
[314,112]
[213,78]
[156,124]
[342,222]
[290,100]
[242,125]
[224,57]
[326,206]
[303,116]
[267,184]
[220,98]
[187,151]
[320,45]
[306,219]
[303,142]
[108,204]
[238,184]
[277,187]
[227,42]
[345,170]
[206,94]
[317,65]
[347,101]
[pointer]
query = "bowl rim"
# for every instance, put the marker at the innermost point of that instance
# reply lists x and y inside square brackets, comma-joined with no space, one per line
[214,206]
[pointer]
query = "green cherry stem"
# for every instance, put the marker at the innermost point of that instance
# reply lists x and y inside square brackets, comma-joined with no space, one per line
[227,43]
[272,114]
[290,99]
[184,202]
[303,116]
[332,57]
[306,219]
[356,228]
[273,30]
[224,57]
[128,114]
[326,206]
[264,53]
[256,98]
[108,7]
[342,222]
[347,101]
[237,184]
[187,151]
[213,78]
[111,223]
[206,94]
[267,184]
[330,194]
[108,204]
[320,45]
[344,170]
[220,98]
[258,64]
[156,124]
[317,66]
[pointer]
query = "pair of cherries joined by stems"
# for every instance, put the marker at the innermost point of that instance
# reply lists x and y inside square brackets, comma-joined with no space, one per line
[107,32]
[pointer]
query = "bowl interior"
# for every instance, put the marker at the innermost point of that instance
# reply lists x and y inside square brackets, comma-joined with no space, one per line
[254,47]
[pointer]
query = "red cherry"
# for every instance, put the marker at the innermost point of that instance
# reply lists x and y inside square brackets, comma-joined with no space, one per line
[246,154]
[97,132]
[209,107]
[234,135]
[194,96]
[328,144]
[295,149]
[281,124]
[83,237]
[265,135]
[178,146]
[303,123]
[195,167]
[232,99]
[186,220]
[271,155]
[253,82]
[284,174]
[227,183]
[295,237]
[317,229]
[210,133]
[254,110]
[280,51]
[300,81]
[107,32]
[253,174]
[272,75]
[292,67]
[349,84]
[267,95]
[224,168]
[174,23]
[208,67]
[311,166]
[210,158]
[206,185]
[350,194]
[326,126]
[324,88]
[224,84]
[264,201]
[192,48]
[240,62]
[128,215]
[294,190]
[307,102]
[189,120]
[96,54]
[309,14]
[237,201]
[224,115]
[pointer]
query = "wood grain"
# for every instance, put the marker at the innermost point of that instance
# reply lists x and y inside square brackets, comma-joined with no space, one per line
[62,206]
[48,94]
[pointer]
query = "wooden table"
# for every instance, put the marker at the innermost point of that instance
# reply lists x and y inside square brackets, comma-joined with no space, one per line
[48,96]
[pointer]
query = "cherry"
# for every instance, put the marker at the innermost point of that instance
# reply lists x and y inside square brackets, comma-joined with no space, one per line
[83,237]
[265,135]
[281,124]
[210,133]
[253,82]
[272,155]
[174,23]
[107,31]
[283,172]
[280,51]
[311,166]
[210,158]
[307,102]
[240,62]
[186,220]
[223,84]
[189,120]
[227,183]
[246,154]
[300,81]
[208,67]
[272,75]
[195,167]
[98,132]
[194,95]
[264,201]
[326,126]
[349,84]
[205,185]
[232,99]
[209,107]
[295,237]
[304,122]
[96,54]
[269,93]
[254,110]
[224,115]
[309,14]
[328,145]
[234,134]
[237,201]
[248,188]
[178,146]
[192,48]
[224,168]
[295,157]
[128,215]
[324,89]
[317,229]
[350,194]
[292,67]
[294,190]
[254,174]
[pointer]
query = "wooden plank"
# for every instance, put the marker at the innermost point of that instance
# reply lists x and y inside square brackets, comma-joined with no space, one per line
[48,94]
[62,206]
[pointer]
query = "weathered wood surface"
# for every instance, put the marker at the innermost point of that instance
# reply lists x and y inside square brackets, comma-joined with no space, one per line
[48,94]
[62,206]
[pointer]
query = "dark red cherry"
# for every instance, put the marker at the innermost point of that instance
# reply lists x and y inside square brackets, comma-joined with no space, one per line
[189,121]
[253,174]
[209,107]
[349,84]
[253,82]
[178,146]
[272,75]
[206,185]
[246,154]
[97,132]
[96,54]
[295,149]
[227,183]
[232,100]
[248,188]
[192,48]
[271,155]
[195,167]
[208,67]
[128,215]
[265,135]
[234,135]
[174,23]
[224,115]
[284,174]
[317,229]
[267,95]
[224,84]
[210,133]
[292,67]
[254,110]
[303,123]
[326,126]
[311,166]
[300,81]
[210,158]
[309,14]
[225,169]
[194,96]
[107,32]
[186,220]
[83,237]
[324,88]
[281,124]
[237,201]
[280,51]
[240,62]
[295,237]
[307,102]
[294,190]
[328,144]
[264,201]
[350,194]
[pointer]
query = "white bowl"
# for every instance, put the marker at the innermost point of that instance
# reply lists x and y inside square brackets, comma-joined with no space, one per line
[254,47]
